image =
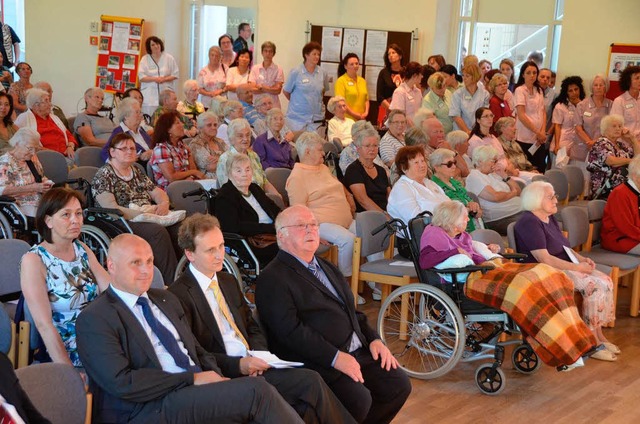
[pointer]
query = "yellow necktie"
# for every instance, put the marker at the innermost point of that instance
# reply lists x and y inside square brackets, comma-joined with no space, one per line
[225,311]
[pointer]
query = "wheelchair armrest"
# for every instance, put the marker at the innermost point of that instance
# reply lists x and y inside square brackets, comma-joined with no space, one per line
[232,236]
[514,256]
[470,268]
[105,211]
[7,199]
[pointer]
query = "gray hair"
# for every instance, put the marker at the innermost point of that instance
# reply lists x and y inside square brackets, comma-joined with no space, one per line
[284,217]
[236,126]
[439,156]
[233,159]
[505,121]
[333,102]
[188,84]
[92,90]
[218,49]
[361,130]
[202,119]
[415,136]
[603,78]
[35,96]
[23,136]
[306,141]
[422,115]
[43,85]
[394,112]
[272,114]
[532,195]
[448,213]
[217,105]
[125,108]
[457,137]
[608,121]
[257,100]
[231,106]
[482,154]
[164,96]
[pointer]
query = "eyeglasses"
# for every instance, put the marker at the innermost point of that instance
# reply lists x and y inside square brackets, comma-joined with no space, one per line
[126,149]
[399,122]
[554,196]
[449,164]
[307,227]
[370,146]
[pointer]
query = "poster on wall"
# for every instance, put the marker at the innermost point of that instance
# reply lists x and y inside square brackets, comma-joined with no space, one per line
[118,53]
[331,41]
[376,47]
[353,42]
[620,56]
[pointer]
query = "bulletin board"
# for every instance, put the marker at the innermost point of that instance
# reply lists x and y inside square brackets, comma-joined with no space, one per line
[119,49]
[370,46]
[620,56]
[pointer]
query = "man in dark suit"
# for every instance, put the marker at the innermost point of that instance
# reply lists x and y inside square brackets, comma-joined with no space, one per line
[309,315]
[230,336]
[144,363]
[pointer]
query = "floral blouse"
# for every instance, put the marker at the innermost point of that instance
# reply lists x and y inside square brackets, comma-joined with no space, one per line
[514,153]
[16,173]
[202,152]
[178,155]
[137,190]
[605,178]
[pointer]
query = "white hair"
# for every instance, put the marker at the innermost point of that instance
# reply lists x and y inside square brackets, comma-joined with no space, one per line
[532,195]
[306,141]
[482,154]
[236,126]
[23,136]
[438,156]
[35,96]
[202,119]
[608,121]
[125,108]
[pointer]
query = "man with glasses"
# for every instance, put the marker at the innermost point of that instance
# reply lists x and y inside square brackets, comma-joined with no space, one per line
[308,312]
[393,140]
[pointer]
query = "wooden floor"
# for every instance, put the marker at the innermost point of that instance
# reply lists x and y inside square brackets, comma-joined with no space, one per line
[599,392]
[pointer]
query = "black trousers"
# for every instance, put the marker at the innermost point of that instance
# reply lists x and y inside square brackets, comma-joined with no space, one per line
[538,159]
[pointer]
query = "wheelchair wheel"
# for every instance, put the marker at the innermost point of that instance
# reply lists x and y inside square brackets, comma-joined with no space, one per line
[525,360]
[97,240]
[489,381]
[6,232]
[424,330]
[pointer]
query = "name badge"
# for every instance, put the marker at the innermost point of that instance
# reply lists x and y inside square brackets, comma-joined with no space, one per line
[350,83]
[410,97]
[629,105]
[501,104]
[587,114]
[305,81]
[261,76]
[467,97]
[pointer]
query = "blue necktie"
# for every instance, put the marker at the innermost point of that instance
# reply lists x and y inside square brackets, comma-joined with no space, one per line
[317,272]
[166,338]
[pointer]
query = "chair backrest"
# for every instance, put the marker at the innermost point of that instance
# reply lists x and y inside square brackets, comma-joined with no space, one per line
[540,178]
[278,177]
[54,165]
[595,209]
[576,181]
[560,183]
[366,222]
[474,197]
[416,228]
[487,236]
[11,252]
[330,147]
[89,156]
[157,282]
[6,332]
[277,200]
[511,236]
[191,204]
[575,221]
[56,390]
[87,172]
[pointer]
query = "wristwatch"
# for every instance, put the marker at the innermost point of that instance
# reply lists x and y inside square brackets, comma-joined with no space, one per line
[506,180]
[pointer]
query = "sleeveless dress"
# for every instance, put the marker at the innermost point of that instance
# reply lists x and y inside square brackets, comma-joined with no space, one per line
[71,286]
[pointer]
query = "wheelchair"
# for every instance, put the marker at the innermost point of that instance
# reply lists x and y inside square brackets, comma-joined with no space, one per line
[430,327]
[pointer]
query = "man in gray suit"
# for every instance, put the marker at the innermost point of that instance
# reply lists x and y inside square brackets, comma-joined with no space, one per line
[144,363]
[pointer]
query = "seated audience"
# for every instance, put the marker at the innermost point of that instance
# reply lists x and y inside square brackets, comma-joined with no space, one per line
[393,139]
[190,106]
[413,192]
[240,138]
[7,127]
[273,149]
[538,297]
[505,130]
[339,127]
[610,155]
[443,164]
[136,94]
[61,275]
[21,174]
[144,364]
[243,208]
[205,147]
[92,128]
[413,137]
[263,103]
[232,109]
[308,312]
[498,193]
[53,134]
[169,103]
[366,180]
[130,121]
[311,184]
[539,237]
[349,154]
[459,142]
[56,110]
[171,159]
[18,90]
[245,97]
[121,185]
[438,99]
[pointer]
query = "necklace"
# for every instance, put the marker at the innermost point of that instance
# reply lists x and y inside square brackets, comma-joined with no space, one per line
[246,195]
[366,166]
[122,175]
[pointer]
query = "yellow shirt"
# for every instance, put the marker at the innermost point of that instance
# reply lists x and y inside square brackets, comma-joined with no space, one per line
[354,92]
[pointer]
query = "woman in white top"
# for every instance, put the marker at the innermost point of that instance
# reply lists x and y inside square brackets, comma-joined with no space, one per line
[225,42]
[413,192]
[238,74]
[213,77]
[339,126]
[408,97]
[157,72]
[268,77]
[531,115]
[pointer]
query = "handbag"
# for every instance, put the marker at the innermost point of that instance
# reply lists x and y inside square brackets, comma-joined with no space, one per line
[260,241]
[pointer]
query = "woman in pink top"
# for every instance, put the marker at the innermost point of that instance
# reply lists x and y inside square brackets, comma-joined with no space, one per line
[531,115]
[565,119]
[408,97]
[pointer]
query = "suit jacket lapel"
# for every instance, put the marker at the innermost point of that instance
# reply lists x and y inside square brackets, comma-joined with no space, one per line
[203,308]
[307,275]
[235,312]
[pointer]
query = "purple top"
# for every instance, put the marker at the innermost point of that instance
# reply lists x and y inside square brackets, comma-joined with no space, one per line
[436,246]
[533,234]
[272,153]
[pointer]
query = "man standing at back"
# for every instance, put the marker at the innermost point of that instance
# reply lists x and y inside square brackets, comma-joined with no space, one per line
[244,35]
[144,363]
[222,323]
[309,315]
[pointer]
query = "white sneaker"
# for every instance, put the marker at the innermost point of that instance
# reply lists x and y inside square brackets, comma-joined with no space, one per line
[376,292]
[361,300]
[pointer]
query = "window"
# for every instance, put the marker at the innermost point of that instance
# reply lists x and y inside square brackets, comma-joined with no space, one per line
[13,15]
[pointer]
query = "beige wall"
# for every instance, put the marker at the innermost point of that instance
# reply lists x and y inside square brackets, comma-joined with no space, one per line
[59,50]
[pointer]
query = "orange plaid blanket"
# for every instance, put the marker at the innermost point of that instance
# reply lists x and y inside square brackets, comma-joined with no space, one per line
[539,298]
